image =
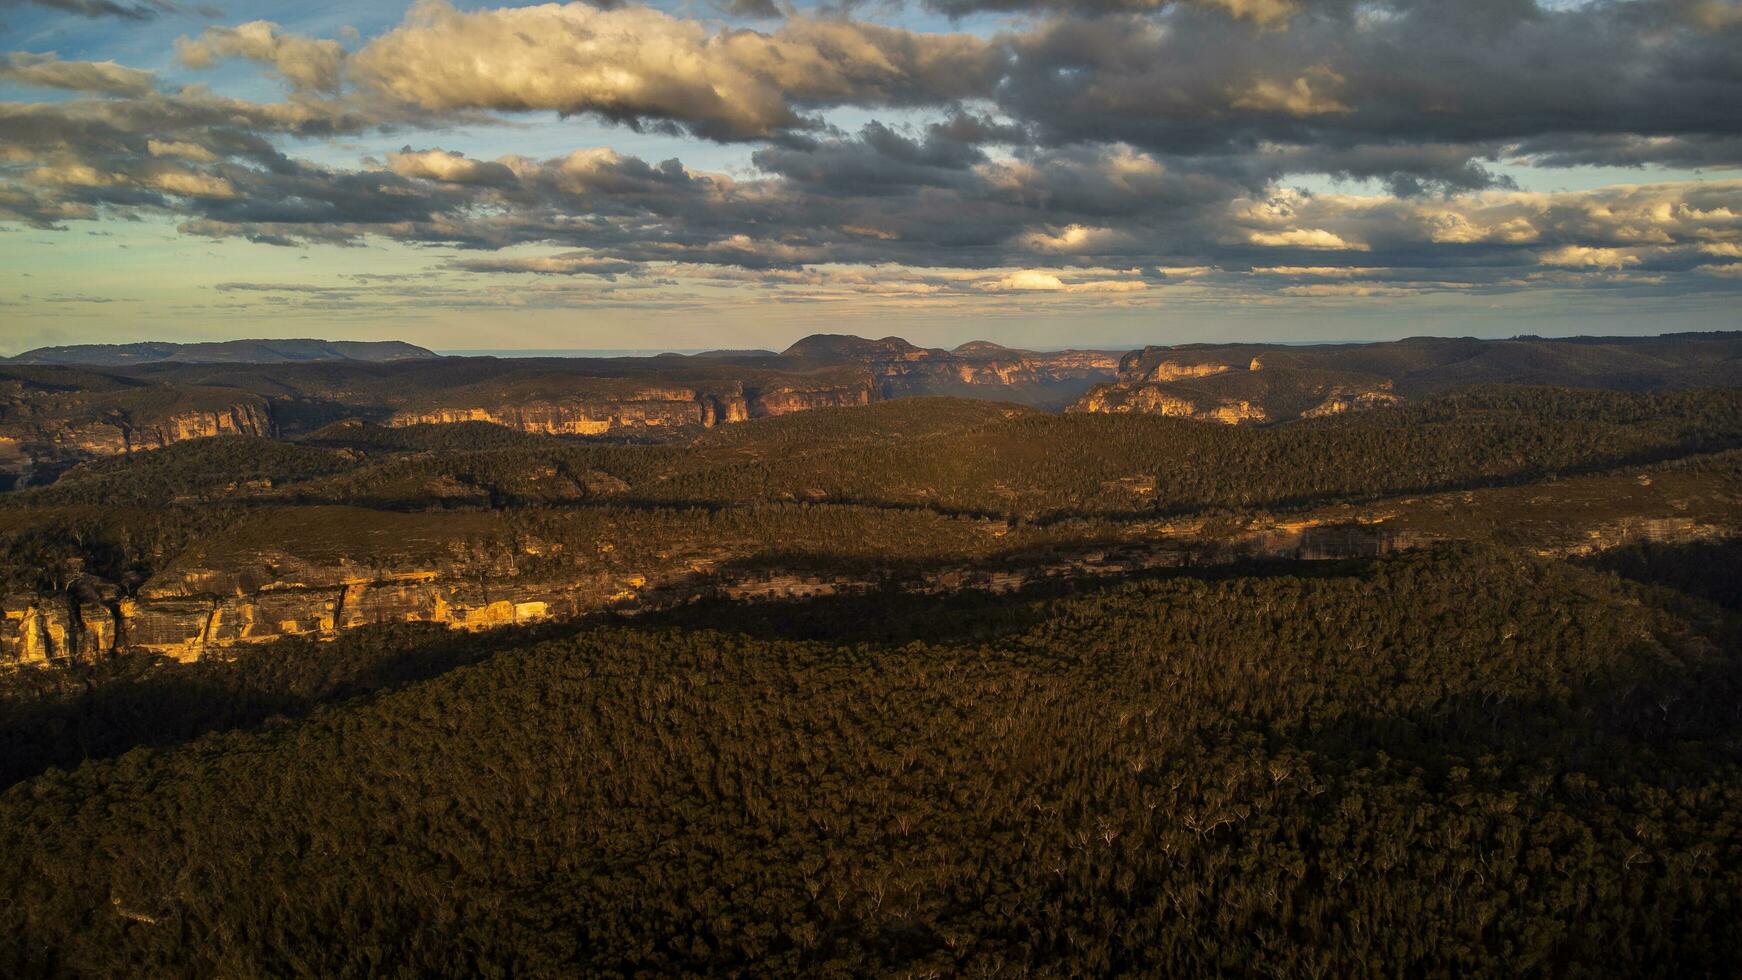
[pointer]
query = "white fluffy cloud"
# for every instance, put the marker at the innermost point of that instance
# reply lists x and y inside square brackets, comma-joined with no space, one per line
[638,63]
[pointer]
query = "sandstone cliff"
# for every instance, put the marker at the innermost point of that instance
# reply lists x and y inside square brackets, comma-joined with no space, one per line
[307,574]
[978,369]
[46,423]
[619,408]
[1223,386]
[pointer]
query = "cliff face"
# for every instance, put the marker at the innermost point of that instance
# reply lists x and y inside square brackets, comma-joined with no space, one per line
[921,376]
[188,627]
[55,433]
[582,416]
[75,625]
[975,369]
[196,612]
[199,607]
[1338,402]
[1230,389]
[1163,364]
[650,407]
[782,401]
[1156,399]
[247,418]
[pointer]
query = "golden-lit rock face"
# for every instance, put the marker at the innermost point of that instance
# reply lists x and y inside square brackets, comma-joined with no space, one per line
[206,605]
[1152,400]
[1159,381]
[42,629]
[1338,402]
[648,408]
[785,402]
[657,407]
[911,375]
[186,627]
[110,437]
[1175,370]
[66,428]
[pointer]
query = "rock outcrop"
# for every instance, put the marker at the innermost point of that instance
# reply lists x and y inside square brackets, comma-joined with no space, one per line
[649,407]
[198,612]
[1157,399]
[43,427]
[979,369]
[79,624]
[208,602]
[1226,387]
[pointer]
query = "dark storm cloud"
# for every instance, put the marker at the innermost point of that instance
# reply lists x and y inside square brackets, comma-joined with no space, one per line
[1341,76]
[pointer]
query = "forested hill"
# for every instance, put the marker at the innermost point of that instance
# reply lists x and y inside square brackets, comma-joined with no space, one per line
[224,351]
[917,687]
[1453,763]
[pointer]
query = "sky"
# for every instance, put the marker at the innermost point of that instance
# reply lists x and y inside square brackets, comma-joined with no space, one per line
[738,173]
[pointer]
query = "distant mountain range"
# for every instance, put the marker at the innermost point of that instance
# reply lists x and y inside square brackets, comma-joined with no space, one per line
[225,352]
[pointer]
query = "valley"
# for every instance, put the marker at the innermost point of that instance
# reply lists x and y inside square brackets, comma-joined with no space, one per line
[1134,618]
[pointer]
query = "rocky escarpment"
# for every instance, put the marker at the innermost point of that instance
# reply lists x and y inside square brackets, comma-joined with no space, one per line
[1213,387]
[587,416]
[975,369]
[49,430]
[202,605]
[648,407]
[1151,399]
[197,611]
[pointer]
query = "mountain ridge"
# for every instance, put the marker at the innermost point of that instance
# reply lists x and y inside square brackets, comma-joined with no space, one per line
[242,351]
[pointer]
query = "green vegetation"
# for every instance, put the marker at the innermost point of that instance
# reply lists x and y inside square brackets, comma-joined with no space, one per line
[194,471]
[1032,465]
[1461,760]
[869,481]
[1449,763]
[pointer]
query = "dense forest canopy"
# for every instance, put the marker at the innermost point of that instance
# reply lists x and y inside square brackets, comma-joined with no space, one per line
[921,687]
[1444,763]
[130,515]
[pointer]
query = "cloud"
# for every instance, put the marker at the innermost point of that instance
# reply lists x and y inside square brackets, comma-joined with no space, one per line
[1347,289]
[1083,155]
[1318,271]
[176,148]
[1713,15]
[1029,280]
[1585,257]
[1075,240]
[48,71]
[641,66]
[184,183]
[1303,238]
[1263,12]
[567,264]
[448,166]
[1041,281]
[306,63]
[1599,79]
[142,10]
[1307,95]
